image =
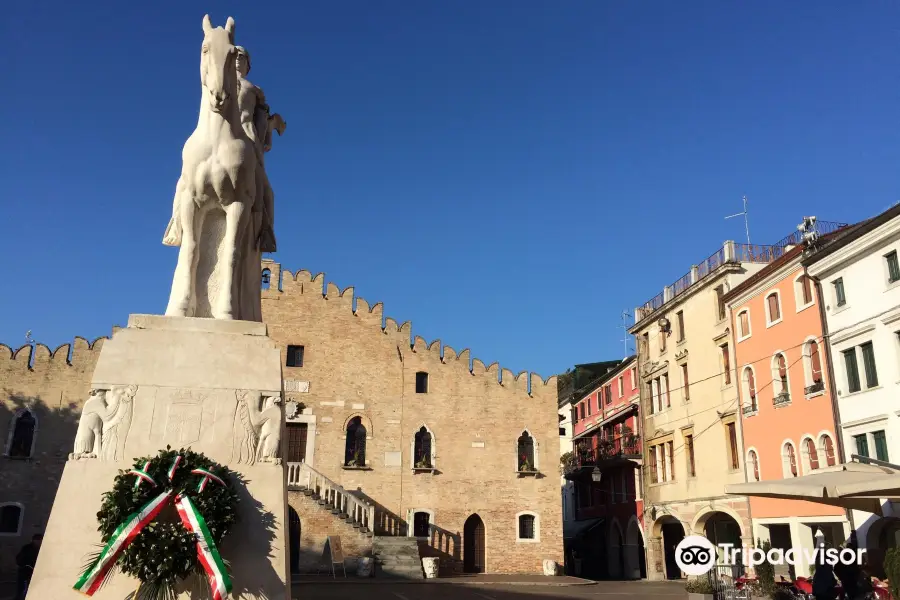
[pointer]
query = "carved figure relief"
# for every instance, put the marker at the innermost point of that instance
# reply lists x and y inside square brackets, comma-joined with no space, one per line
[258,431]
[105,420]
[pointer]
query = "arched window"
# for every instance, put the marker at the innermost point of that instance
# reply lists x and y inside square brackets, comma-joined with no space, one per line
[266,279]
[526,452]
[10,519]
[422,449]
[743,324]
[780,378]
[827,447]
[355,449]
[789,459]
[750,389]
[812,456]
[812,367]
[773,308]
[753,459]
[21,436]
[803,291]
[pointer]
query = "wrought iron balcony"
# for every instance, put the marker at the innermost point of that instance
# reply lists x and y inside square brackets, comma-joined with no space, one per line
[627,446]
[782,399]
[816,387]
[750,409]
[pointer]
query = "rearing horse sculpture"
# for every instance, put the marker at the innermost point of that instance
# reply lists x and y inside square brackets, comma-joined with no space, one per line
[218,174]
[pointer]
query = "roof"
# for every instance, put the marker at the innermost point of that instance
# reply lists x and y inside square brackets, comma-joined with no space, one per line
[853,233]
[606,369]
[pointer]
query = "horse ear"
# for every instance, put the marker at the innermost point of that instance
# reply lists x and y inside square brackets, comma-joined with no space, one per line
[207,25]
[229,27]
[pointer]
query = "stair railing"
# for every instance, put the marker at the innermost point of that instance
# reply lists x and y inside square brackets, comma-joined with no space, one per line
[355,510]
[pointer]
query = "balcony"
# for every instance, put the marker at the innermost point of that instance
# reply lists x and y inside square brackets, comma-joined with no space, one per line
[750,410]
[818,386]
[608,451]
[782,399]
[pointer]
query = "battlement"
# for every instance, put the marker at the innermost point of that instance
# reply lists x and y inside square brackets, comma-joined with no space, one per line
[283,281]
[38,357]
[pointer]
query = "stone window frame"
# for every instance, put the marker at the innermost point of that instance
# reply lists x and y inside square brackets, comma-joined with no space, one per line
[770,322]
[805,457]
[12,430]
[536,447]
[537,527]
[21,508]
[412,447]
[754,463]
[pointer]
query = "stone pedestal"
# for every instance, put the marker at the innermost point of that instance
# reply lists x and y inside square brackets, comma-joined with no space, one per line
[191,383]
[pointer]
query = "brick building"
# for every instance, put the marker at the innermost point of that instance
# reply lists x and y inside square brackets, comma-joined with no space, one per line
[386,436]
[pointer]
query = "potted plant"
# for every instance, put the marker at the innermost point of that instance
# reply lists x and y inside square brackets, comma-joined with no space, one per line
[567,463]
[423,464]
[699,588]
[525,464]
[354,462]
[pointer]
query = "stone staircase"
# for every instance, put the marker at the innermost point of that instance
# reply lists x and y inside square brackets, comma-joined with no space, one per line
[397,558]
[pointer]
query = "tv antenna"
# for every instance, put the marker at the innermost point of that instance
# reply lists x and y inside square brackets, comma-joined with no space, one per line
[746,221]
[624,326]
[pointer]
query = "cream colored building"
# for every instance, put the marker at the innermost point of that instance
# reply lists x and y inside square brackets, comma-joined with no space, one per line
[690,406]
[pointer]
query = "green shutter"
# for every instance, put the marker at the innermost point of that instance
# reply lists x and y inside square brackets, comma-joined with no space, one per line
[893,267]
[839,291]
[852,370]
[868,353]
[862,445]
[881,450]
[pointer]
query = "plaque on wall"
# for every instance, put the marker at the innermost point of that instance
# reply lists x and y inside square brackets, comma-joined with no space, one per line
[295,385]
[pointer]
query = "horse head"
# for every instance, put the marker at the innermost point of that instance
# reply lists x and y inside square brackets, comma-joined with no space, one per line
[217,73]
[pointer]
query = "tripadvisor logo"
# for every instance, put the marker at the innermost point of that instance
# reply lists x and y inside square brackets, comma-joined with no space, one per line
[696,555]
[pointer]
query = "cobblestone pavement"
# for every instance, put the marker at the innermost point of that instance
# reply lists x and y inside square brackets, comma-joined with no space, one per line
[604,590]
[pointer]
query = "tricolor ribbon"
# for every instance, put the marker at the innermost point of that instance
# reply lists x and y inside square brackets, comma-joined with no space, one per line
[174,467]
[124,534]
[207,475]
[207,553]
[142,475]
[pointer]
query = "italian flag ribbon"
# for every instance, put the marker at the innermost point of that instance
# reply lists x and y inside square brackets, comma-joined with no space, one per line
[142,475]
[207,553]
[174,467]
[124,534]
[207,475]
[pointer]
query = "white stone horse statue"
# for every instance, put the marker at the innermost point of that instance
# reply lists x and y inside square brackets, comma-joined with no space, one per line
[217,183]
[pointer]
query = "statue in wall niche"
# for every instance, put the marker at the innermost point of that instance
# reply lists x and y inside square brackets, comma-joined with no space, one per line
[105,420]
[223,209]
[259,438]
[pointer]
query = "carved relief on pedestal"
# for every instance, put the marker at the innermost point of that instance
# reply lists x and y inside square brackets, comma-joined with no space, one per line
[104,424]
[257,432]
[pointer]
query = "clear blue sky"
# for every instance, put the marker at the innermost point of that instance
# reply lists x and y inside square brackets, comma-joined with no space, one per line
[508,175]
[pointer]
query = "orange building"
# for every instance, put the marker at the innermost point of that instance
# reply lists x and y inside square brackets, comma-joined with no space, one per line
[786,392]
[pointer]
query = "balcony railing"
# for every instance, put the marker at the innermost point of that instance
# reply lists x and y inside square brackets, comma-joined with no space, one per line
[782,399]
[750,409]
[623,446]
[816,387]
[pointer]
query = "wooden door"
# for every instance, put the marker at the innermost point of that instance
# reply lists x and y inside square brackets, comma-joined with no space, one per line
[473,545]
[296,442]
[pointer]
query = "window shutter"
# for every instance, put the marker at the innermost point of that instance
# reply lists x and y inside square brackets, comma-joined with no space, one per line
[868,353]
[862,444]
[815,362]
[852,370]
[881,449]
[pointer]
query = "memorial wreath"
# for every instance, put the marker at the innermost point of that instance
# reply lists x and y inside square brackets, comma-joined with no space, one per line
[162,521]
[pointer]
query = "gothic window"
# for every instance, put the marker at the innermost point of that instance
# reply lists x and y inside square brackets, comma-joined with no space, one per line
[355,449]
[422,450]
[526,452]
[21,437]
[266,279]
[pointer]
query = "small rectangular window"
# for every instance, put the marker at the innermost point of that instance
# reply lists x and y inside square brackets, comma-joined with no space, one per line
[671,460]
[726,364]
[852,369]
[654,475]
[685,382]
[806,289]
[774,308]
[421,382]
[562,432]
[733,445]
[589,404]
[840,298]
[680,316]
[881,449]
[893,266]
[634,379]
[862,445]
[621,386]
[608,394]
[745,323]
[720,302]
[662,463]
[868,353]
[526,527]
[294,356]
[689,450]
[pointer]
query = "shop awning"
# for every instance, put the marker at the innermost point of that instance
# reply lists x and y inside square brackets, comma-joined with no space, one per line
[853,485]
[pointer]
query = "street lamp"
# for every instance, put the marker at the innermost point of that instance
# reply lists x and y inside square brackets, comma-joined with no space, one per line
[596,475]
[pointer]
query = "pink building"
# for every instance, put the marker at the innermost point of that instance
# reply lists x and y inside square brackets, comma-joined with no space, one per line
[607,454]
[781,365]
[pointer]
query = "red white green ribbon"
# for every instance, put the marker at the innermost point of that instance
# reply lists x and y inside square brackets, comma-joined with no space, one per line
[124,534]
[142,475]
[174,467]
[207,553]
[207,475]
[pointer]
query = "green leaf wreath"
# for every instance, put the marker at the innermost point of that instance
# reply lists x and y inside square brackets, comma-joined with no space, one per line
[164,551]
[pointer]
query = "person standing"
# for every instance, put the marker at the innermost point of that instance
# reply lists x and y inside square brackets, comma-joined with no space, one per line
[26,559]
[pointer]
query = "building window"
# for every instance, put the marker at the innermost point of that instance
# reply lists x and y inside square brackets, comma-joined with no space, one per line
[753,458]
[355,446]
[773,308]
[608,390]
[680,317]
[828,448]
[662,463]
[812,456]
[852,368]
[422,448]
[812,367]
[803,291]
[527,529]
[881,449]
[421,524]
[868,354]
[562,432]
[840,297]
[780,379]
[664,391]
[662,341]
[588,402]
[789,459]
[621,386]
[645,346]
[689,451]
[10,519]
[266,279]
[893,266]
[526,452]
[294,356]
[750,388]
[654,475]
[671,449]
[744,324]
[685,382]
[862,444]
[726,364]
[634,378]
[720,302]
[21,441]
[421,382]
[733,446]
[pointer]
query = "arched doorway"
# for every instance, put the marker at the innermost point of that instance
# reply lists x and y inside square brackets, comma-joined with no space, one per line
[721,528]
[473,545]
[635,567]
[294,538]
[672,534]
